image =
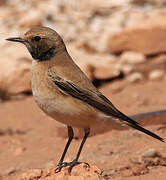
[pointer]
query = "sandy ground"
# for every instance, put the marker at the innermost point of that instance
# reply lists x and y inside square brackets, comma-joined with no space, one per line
[28,138]
[93,31]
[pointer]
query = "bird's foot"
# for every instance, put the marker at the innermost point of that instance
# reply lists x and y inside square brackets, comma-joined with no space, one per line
[60,166]
[70,164]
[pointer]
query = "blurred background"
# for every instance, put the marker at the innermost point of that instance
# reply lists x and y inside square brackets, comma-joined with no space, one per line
[108,39]
[119,44]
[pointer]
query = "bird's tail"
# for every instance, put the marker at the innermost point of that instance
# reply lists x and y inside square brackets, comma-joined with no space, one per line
[139,128]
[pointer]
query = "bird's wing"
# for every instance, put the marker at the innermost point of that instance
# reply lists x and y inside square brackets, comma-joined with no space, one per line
[96,100]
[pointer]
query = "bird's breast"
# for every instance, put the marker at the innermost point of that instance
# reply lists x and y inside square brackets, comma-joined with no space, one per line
[60,106]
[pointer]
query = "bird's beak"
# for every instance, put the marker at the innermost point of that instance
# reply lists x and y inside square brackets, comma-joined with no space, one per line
[16,39]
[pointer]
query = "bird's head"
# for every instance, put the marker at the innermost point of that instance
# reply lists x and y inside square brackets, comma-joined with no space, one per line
[43,43]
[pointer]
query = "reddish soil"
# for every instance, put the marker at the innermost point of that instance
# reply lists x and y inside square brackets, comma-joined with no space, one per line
[28,138]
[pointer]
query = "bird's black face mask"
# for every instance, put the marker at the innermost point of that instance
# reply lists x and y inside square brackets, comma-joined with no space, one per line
[40,49]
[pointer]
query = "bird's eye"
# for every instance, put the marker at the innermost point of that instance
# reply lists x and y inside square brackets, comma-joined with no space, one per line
[37,38]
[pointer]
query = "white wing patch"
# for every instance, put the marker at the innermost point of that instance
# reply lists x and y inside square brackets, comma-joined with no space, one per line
[105,118]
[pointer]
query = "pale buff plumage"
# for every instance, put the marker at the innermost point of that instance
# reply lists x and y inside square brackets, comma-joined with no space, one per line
[64,92]
[56,103]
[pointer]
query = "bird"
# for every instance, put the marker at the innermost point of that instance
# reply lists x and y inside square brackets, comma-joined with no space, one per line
[64,92]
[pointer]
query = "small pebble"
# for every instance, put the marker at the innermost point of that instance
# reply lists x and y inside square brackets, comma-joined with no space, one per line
[150,153]
[131,57]
[127,68]
[135,77]
[156,74]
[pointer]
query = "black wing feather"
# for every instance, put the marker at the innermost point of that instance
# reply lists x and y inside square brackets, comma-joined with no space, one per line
[98,101]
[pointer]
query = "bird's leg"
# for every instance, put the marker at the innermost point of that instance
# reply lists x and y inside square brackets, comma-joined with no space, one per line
[75,161]
[61,164]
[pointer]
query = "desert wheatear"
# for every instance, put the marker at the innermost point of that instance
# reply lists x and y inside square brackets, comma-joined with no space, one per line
[64,92]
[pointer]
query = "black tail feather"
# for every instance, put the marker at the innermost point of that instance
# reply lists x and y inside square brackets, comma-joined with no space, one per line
[135,126]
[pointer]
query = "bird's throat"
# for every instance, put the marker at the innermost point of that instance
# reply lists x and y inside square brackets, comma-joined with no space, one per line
[39,55]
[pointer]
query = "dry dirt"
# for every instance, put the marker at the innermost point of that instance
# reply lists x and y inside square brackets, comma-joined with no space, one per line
[28,139]
[120,45]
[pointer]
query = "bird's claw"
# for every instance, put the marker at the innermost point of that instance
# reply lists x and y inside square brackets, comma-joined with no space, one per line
[60,166]
[70,164]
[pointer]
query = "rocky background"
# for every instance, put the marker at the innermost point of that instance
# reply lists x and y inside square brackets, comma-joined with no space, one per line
[119,44]
[108,39]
